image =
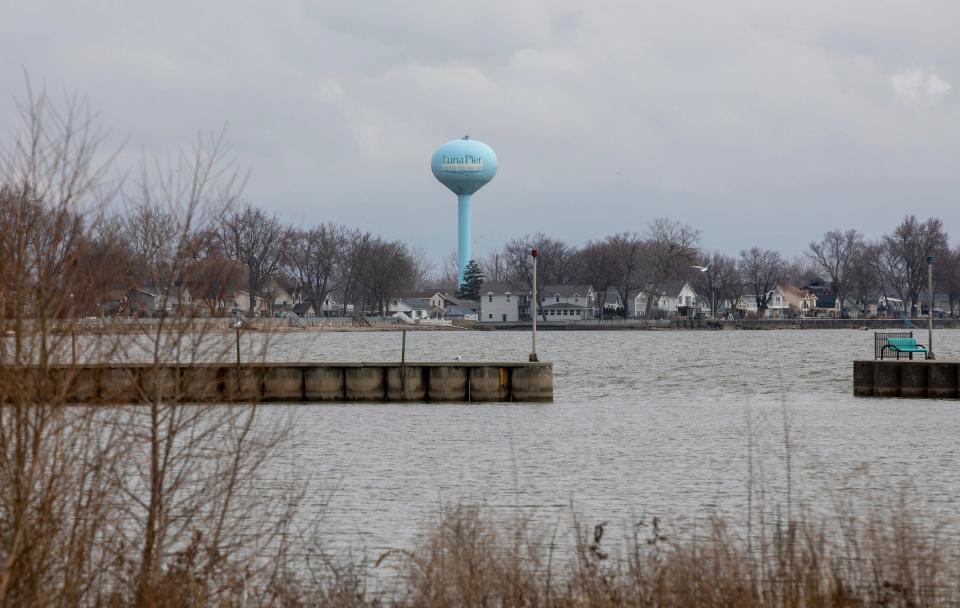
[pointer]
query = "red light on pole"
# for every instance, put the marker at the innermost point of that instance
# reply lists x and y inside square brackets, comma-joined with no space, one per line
[533,253]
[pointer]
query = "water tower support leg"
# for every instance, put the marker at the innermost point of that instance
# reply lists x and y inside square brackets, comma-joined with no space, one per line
[463,241]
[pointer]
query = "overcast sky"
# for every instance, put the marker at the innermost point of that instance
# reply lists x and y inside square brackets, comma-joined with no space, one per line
[757,122]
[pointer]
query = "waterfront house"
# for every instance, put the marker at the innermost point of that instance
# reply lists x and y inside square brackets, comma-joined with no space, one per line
[414,308]
[500,302]
[333,306]
[787,302]
[675,298]
[454,308]
[612,302]
[505,302]
[746,305]
[889,306]
[239,301]
[567,302]
[456,312]
[304,309]
[152,301]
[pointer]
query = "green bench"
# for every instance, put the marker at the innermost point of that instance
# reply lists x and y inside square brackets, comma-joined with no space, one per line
[903,345]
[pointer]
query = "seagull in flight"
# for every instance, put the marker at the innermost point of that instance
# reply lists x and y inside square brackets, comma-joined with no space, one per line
[700,268]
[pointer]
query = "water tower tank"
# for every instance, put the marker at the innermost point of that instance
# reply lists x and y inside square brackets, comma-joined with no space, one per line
[464,166]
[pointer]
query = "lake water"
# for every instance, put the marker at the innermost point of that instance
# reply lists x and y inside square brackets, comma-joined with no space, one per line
[644,423]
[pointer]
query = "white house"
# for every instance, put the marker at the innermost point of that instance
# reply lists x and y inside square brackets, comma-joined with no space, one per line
[567,302]
[304,309]
[891,306]
[500,302]
[150,300]
[240,301]
[674,298]
[612,301]
[415,308]
[455,312]
[332,308]
[788,301]
[504,302]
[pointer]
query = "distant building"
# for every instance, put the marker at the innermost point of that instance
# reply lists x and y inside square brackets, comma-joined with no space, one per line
[789,302]
[566,302]
[504,302]
[500,302]
[304,309]
[456,312]
[152,301]
[675,298]
[239,301]
[414,308]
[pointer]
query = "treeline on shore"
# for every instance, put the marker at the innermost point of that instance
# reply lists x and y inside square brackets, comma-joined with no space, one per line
[72,233]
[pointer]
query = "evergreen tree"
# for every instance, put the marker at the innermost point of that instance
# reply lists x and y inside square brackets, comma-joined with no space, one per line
[472,281]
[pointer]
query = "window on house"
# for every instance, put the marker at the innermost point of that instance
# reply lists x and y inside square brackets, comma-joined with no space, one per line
[576,299]
[490,298]
[556,298]
[508,299]
[490,316]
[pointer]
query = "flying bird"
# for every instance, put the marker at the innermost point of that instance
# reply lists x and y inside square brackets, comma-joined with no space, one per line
[700,268]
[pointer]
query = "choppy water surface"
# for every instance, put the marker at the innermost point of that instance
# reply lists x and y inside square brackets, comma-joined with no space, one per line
[643,423]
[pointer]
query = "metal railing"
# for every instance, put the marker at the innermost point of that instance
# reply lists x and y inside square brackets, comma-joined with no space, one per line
[880,340]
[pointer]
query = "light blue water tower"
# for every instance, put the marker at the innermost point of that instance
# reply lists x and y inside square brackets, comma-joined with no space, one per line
[464,166]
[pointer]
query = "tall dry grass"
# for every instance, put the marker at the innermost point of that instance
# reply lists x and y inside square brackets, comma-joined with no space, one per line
[881,558]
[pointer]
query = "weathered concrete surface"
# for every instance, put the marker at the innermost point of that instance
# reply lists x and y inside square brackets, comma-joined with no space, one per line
[936,379]
[447,383]
[324,383]
[454,381]
[490,384]
[406,384]
[365,383]
[532,383]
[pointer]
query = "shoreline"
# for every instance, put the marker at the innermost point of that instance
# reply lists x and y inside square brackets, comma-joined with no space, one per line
[269,325]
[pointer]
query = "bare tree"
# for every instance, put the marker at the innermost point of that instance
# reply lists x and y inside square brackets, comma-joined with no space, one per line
[669,248]
[761,270]
[449,272]
[948,276]
[350,268]
[627,252]
[863,274]
[424,270]
[720,281]
[313,259]
[597,266]
[834,255]
[212,276]
[53,459]
[554,262]
[906,250]
[494,267]
[151,233]
[387,269]
[257,241]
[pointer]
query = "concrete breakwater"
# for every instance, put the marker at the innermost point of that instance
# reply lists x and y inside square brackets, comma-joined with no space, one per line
[932,379]
[456,381]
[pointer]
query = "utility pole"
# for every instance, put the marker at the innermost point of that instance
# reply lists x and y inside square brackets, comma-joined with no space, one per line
[236,326]
[533,307]
[930,354]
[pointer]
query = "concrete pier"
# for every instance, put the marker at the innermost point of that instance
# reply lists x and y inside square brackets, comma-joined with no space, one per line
[919,378]
[457,381]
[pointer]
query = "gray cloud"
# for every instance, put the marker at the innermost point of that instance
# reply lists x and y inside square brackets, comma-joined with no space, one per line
[759,123]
